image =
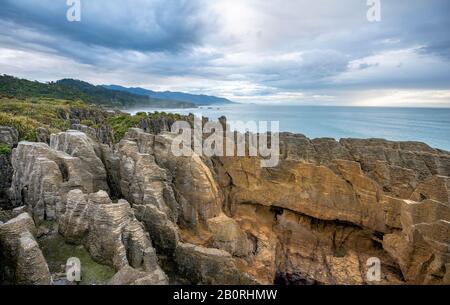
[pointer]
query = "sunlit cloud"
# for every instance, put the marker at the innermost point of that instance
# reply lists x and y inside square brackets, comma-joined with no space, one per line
[295,52]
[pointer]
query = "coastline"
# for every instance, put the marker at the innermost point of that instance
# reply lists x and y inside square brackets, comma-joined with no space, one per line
[428,125]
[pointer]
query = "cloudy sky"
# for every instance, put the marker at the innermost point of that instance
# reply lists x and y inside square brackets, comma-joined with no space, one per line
[322,52]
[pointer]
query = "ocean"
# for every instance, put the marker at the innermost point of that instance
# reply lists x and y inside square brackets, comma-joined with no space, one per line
[429,125]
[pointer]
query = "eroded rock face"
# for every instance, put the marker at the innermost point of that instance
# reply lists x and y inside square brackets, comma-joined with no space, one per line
[173,194]
[21,259]
[318,217]
[182,187]
[77,144]
[228,236]
[197,191]
[109,231]
[31,268]
[329,206]
[43,177]
[421,248]
[142,180]
[209,266]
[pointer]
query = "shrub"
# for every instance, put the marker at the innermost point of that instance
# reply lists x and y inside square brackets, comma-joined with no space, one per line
[5,149]
[24,125]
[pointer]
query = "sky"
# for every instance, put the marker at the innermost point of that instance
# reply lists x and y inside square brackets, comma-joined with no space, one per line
[322,52]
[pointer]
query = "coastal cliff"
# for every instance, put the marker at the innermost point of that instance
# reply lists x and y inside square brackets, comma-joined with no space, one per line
[156,218]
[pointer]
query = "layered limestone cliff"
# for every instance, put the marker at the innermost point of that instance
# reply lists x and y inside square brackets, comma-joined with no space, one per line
[320,216]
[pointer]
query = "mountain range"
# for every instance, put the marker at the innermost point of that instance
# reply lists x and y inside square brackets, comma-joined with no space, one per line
[200,100]
[109,96]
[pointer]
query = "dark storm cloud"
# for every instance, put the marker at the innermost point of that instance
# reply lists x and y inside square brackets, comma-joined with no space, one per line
[161,25]
[258,48]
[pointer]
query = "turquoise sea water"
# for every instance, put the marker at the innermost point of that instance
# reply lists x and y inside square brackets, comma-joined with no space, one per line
[429,125]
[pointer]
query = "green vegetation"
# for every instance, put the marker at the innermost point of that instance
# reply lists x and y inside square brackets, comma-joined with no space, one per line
[75,90]
[121,123]
[55,115]
[26,115]
[56,252]
[24,125]
[5,149]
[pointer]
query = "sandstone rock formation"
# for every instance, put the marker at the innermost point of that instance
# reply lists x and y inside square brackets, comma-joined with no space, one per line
[43,177]
[320,216]
[329,206]
[21,259]
[78,144]
[209,266]
[175,197]
[110,232]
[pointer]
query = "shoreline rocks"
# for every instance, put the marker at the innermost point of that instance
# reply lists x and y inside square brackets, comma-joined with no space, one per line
[318,217]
